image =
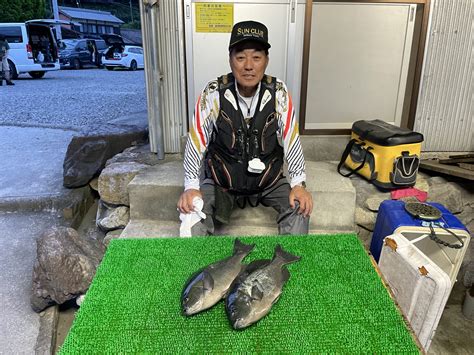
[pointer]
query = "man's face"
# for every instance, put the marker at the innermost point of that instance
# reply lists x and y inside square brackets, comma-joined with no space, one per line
[248,67]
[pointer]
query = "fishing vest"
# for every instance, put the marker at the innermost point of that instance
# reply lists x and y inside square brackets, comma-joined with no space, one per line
[234,144]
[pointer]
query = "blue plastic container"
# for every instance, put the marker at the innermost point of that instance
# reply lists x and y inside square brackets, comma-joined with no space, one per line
[392,216]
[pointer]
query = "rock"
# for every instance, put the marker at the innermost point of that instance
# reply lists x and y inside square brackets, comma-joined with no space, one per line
[467,215]
[373,203]
[94,184]
[46,340]
[88,152]
[365,236]
[80,299]
[114,179]
[437,180]
[409,199]
[365,218]
[139,154]
[447,194]
[112,235]
[422,184]
[65,266]
[111,218]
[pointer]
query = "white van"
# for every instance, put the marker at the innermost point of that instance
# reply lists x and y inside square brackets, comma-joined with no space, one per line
[33,47]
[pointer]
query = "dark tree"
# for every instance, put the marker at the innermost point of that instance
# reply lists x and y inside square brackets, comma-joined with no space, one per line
[21,10]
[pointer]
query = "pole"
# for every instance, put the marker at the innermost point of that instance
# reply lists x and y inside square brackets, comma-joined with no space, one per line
[56,17]
[131,11]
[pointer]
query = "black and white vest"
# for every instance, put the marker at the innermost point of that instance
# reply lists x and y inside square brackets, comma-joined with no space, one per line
[234,144]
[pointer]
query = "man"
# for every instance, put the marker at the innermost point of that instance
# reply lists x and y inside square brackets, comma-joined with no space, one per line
[4,67]
[244,125]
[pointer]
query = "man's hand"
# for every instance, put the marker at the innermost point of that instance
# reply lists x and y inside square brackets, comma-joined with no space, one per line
[305,199]
[185,202]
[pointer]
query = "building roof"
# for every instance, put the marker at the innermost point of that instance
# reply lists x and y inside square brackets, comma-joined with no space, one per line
[87,14]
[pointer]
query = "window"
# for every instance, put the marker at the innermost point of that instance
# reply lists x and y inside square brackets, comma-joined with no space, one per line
[12,34]
[100,44]
[140,51]
[82,46]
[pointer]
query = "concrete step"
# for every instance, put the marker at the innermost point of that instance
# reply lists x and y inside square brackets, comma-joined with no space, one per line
[144,228]
[155,192]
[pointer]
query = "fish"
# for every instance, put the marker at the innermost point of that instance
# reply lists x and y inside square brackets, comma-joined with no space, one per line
[254,292]
[210,284]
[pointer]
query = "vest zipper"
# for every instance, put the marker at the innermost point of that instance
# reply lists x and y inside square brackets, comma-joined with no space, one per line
[227,118]
[229,178]
[267,172]
[265,128]
[275,180]
[214,175]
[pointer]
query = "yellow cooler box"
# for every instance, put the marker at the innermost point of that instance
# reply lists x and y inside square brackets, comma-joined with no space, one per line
[384,154]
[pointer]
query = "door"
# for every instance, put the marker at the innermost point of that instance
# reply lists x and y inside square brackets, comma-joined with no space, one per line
[207,29]
[140,57]
[83,52]
[358,63]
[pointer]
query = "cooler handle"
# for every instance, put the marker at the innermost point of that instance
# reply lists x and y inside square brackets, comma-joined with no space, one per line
[344,156]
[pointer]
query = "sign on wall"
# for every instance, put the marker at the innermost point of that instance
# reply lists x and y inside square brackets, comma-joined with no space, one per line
[214,17]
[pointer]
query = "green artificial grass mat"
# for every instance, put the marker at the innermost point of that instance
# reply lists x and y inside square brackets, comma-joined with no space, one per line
[334,302]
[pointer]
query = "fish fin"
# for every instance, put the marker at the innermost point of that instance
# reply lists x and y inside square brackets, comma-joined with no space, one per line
[207,281]
[241,248]
[257,293]
[284,256]
[286,274]
[256,264]
[276,299]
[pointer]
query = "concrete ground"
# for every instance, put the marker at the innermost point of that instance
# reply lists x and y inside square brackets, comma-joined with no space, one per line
[31,195]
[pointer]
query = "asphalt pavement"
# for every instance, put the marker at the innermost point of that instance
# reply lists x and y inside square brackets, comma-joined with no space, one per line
[73,98]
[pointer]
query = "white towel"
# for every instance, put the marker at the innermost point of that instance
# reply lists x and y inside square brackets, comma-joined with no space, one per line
[188,220]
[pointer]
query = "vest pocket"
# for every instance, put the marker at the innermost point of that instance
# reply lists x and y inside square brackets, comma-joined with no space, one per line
[271,175]
[268,132]
[219,172]
[225,125]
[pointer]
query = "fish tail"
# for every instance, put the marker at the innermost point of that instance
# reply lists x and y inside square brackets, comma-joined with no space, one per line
[241,248]
[284,257]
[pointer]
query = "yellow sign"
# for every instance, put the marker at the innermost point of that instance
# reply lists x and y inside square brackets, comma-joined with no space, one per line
[214,17]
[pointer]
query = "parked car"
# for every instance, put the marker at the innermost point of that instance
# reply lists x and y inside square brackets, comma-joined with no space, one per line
[76,53]
[33,48]
[130,57]
[120,55]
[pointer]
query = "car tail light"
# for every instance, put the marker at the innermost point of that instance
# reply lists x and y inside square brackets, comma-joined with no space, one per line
[29,51]
[124,55]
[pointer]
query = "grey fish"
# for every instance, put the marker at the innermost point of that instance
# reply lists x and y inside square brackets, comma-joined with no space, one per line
[257,289]
[209,285]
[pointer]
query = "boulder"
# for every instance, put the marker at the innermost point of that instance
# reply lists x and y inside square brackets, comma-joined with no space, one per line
[112,235]
[467,215]
[114,180]
[365,236]
[110,218]
[94,184]
[422,184]
[365,218]
[88,152]
[138,154]
[65,266]
[373,203]
[447,194]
